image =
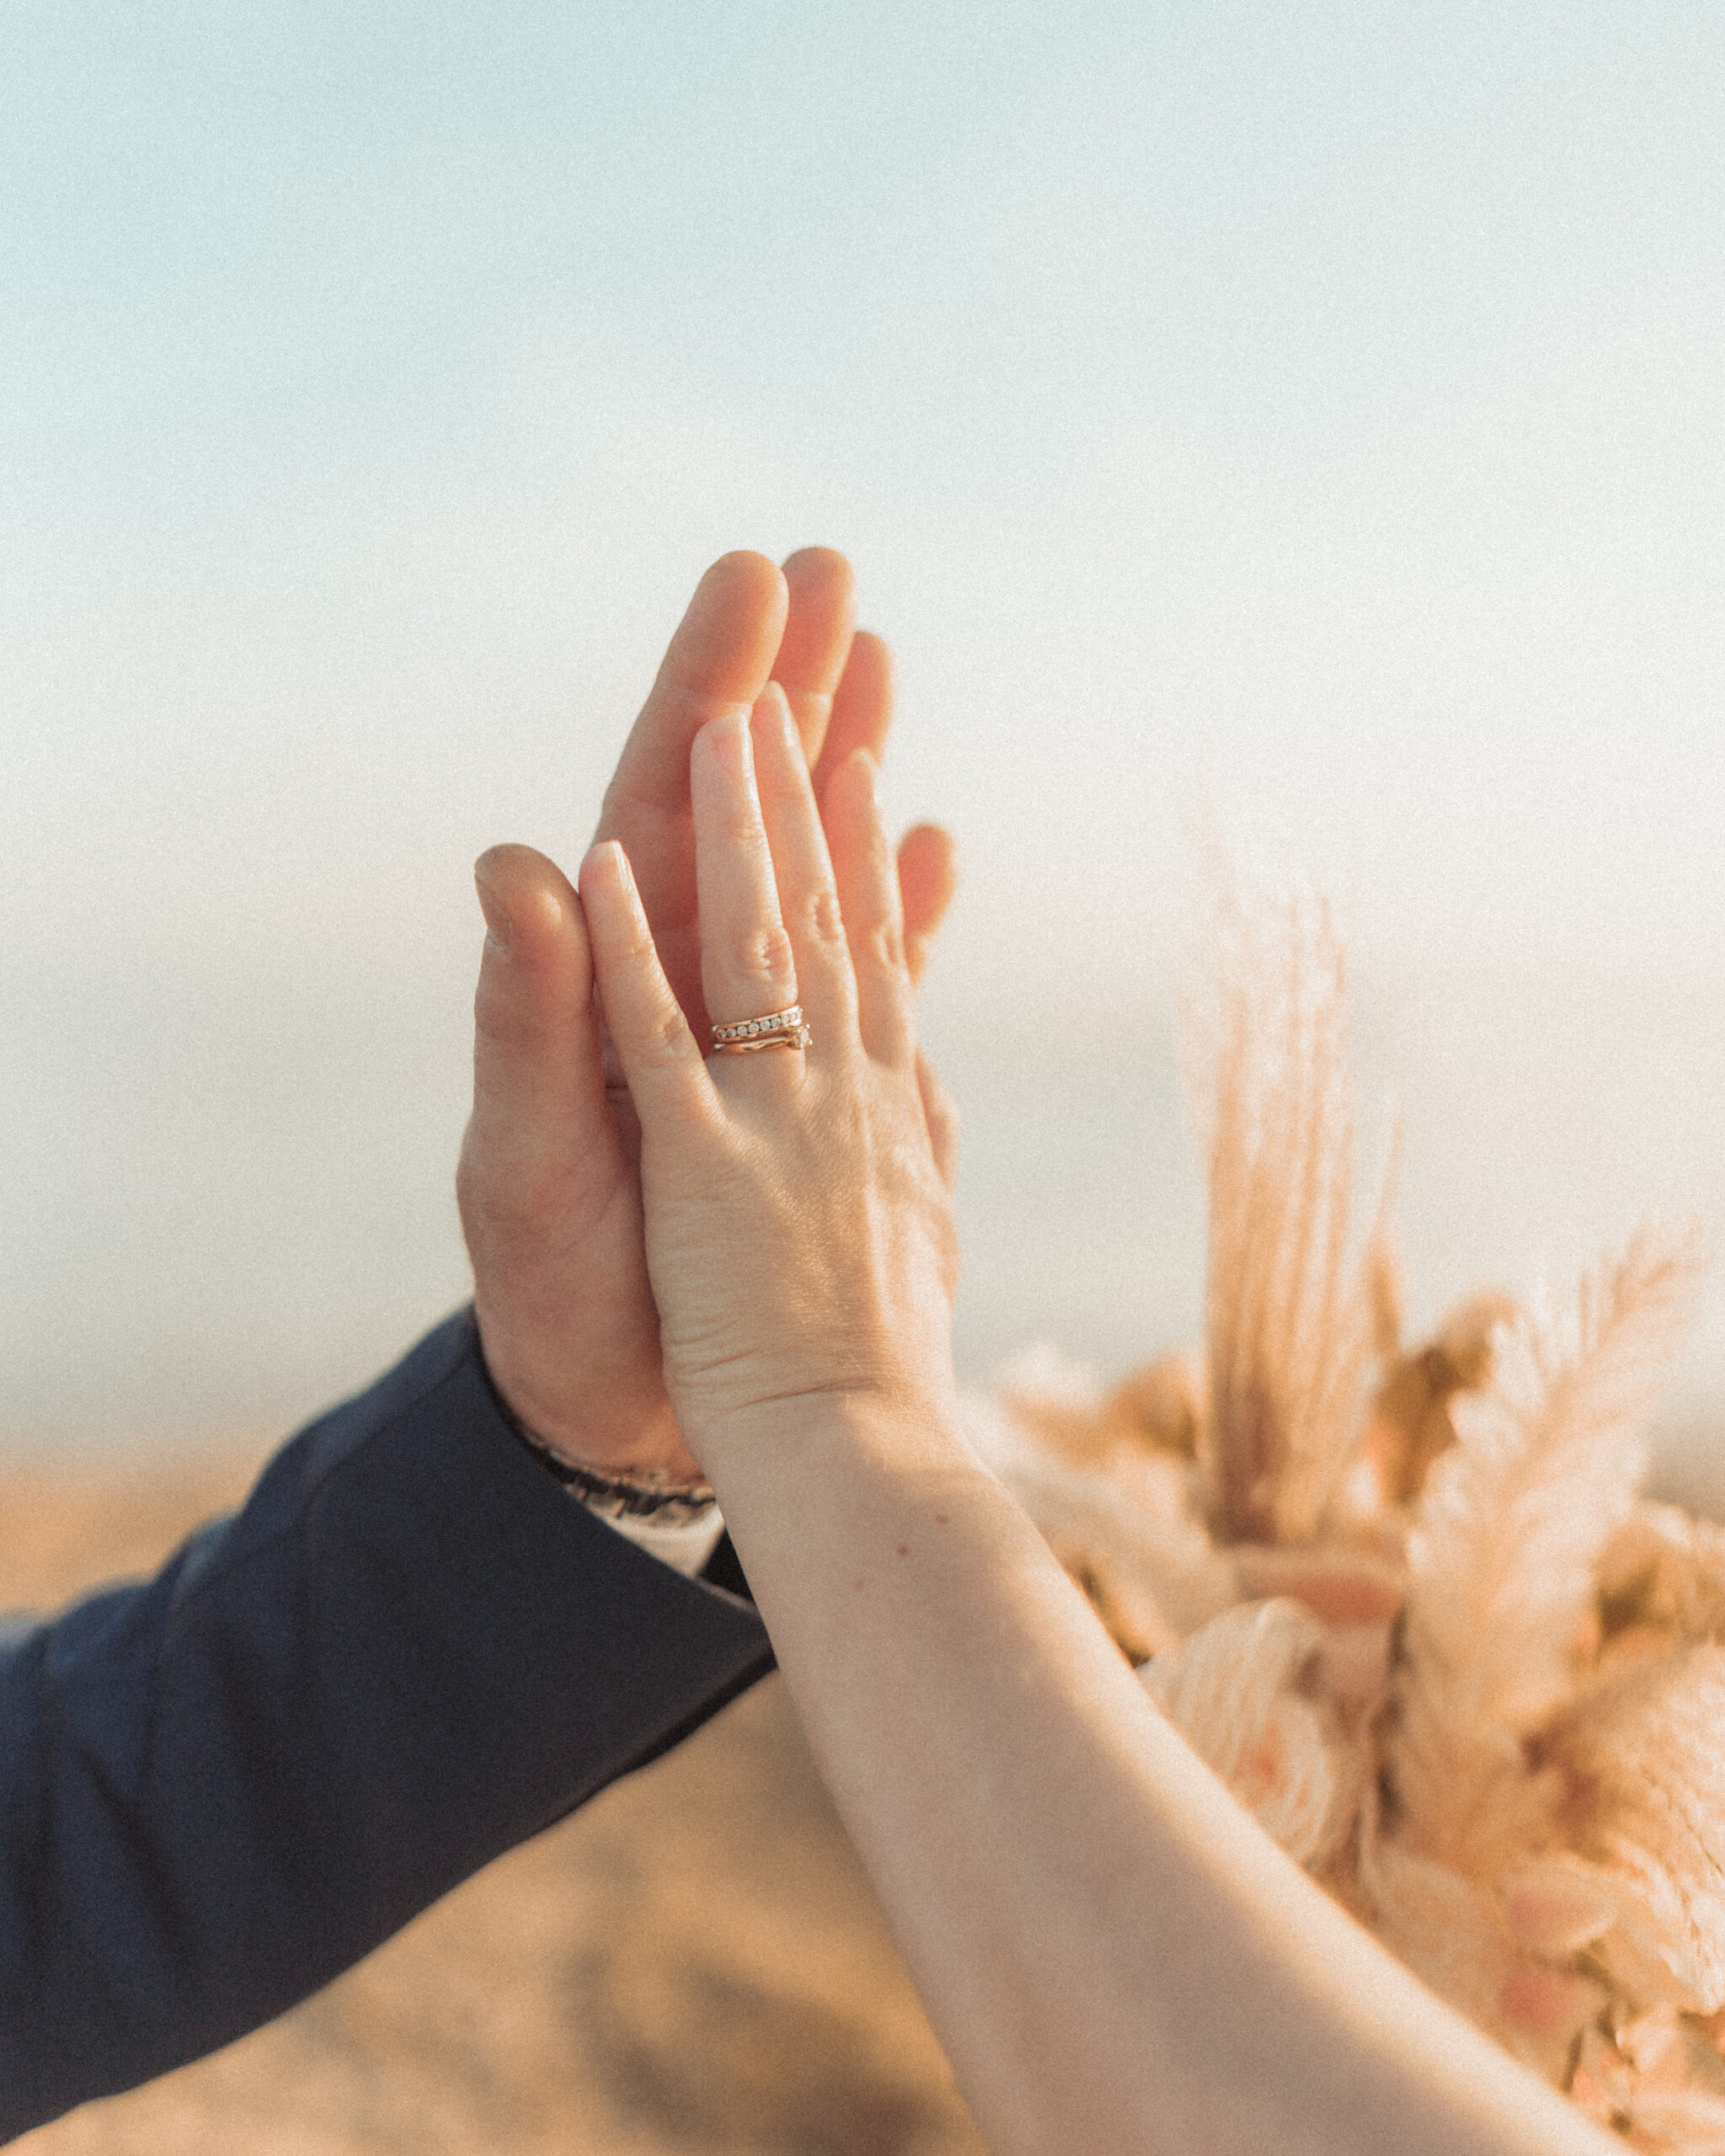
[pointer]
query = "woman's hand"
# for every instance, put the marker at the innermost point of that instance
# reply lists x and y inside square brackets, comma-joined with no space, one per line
[798,1225]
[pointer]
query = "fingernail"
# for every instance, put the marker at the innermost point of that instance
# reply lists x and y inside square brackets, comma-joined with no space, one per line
[773,704]
[871,772]
[729,734]
[614,862]
[499,928]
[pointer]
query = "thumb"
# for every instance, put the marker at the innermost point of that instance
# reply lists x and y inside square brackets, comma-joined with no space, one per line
[538,1085]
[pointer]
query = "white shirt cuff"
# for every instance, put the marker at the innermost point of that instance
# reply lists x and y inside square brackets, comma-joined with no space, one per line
[684,1547]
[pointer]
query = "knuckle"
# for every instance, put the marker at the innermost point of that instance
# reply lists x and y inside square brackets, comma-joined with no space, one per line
[666,1044]
[884,945]
[822,919]
[637,950]
[764,954]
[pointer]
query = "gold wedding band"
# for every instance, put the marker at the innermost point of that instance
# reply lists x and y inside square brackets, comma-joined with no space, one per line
[778,1029]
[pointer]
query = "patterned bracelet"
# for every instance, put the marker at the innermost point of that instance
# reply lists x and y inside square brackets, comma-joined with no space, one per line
[649,1493]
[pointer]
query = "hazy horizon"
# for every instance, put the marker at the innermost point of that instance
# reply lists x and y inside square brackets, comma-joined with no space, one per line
[1311,410]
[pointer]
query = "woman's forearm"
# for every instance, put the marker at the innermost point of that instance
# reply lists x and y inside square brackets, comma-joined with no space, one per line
[1116,1957]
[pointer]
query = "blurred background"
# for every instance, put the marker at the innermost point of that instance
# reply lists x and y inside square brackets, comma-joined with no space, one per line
[1309,412]
[1305,420]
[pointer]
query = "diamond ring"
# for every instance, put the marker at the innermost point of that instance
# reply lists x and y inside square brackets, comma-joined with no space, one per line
[777,1029]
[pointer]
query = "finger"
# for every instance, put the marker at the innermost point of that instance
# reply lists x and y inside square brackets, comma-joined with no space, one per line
[862,707]
[817,639]
[664,1067]
[868,899]
[862,714]
[538,1085]
[717,661]
[941,1117]
[808,895]
[747,967]
[928,876]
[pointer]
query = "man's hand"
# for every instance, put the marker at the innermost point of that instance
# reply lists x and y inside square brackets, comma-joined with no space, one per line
[547,1184]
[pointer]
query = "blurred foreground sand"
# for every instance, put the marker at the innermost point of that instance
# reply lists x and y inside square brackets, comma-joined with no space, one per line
[693,1964]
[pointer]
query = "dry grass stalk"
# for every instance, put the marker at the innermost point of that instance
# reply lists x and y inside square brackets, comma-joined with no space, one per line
[1288,1327]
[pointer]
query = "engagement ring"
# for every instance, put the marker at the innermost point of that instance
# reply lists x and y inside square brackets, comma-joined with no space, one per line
[778,1029]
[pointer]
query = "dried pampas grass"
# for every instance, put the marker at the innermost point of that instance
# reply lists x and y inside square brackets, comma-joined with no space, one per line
[1288,1328]
[1406,1601]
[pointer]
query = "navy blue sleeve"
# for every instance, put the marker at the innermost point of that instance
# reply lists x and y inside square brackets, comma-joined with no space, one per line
[221,1787]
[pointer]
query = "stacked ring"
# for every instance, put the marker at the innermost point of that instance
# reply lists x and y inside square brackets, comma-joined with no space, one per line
[778,1029]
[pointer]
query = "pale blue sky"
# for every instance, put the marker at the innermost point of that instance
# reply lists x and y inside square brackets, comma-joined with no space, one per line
[1316,406]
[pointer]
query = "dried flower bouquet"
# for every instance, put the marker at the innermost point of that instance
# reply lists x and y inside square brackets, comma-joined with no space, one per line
[1407,1600]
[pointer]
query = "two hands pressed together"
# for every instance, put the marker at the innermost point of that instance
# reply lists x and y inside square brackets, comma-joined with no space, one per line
[1115,1957]
[549,1192]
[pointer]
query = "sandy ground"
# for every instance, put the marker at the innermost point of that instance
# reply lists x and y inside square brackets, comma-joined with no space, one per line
[693,1964]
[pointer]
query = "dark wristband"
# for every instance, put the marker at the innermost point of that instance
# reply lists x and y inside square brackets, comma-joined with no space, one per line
[647,1494]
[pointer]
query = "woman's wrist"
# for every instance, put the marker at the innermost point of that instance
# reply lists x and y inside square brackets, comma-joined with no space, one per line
[772,1440]
[787,1472]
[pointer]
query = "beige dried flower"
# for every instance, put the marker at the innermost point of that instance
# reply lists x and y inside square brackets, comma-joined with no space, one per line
[1654,2084]
[1507,1542]
[1411,1424]
[1661,1578]
[1242,1692]
[1643,1759]
[1448,1930]
[1126,1521]
[1160,1405]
